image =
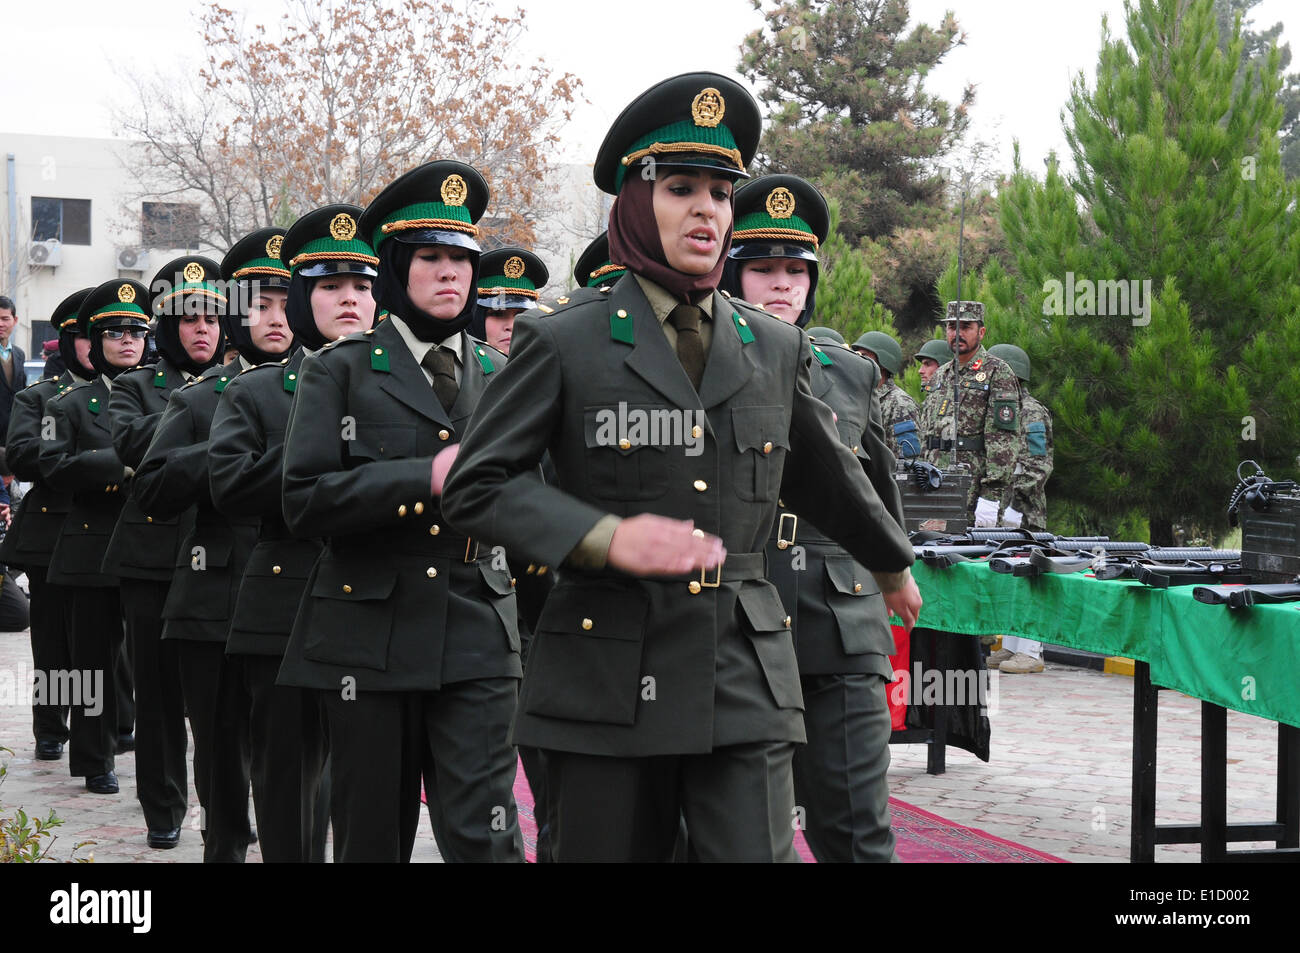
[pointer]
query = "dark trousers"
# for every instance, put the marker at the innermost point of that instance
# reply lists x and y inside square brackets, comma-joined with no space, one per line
[738,805]
[840,776]
[51,643]
[15,605]
[95,646]
[214,699]
[124,685]
[288,751]
[456,739]
[160,737]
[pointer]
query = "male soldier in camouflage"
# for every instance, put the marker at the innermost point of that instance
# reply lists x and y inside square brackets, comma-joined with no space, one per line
[896,405]
[932,353]
[987,437]
[1029,487]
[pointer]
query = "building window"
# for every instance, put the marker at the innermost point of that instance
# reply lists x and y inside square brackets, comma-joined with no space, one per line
[169,225]
[67,220]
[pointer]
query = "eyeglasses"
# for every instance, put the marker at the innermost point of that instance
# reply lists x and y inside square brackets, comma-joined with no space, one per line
[115,334]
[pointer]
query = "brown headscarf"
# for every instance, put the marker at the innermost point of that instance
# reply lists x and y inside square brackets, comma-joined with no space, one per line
[634,242]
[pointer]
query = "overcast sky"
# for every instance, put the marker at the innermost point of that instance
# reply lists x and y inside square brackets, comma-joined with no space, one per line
[63,60]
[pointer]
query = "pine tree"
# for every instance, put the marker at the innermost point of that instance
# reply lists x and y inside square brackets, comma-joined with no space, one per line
[847,109]
[846,300]
[1178,184]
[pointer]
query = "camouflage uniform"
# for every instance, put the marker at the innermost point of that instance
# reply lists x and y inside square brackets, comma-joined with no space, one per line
[897,407]
[1029,484]
[989,428]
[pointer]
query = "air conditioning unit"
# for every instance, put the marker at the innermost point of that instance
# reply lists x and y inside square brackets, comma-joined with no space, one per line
[46,254]
[133,259]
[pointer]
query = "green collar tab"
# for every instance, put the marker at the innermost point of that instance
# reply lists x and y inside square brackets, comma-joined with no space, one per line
[93,405]
[822,356]
[222,381]
[160,378]
[742,328]
[620,327]
[484,361]
[379,360]
[290,381]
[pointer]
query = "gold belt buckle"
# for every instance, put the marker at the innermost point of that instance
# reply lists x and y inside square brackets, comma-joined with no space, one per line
[781,541]
[702,583]
[468,543]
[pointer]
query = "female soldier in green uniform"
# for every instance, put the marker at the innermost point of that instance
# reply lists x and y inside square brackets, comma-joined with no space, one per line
[142,552]
[173,477]
[79,459]
[38,522]
[839,621]
[408,628]
[329,298]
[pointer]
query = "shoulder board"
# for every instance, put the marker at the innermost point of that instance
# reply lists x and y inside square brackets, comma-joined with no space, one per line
[570,299]
[362,337]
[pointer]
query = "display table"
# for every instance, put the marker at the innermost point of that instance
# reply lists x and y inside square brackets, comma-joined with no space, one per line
[1243,660]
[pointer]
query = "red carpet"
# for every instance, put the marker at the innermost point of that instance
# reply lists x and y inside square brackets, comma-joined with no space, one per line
[923,838]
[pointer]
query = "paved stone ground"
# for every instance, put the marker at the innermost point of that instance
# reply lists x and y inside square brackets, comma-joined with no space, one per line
[1058,779]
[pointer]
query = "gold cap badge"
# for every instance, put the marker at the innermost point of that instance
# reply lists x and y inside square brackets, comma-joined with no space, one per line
[780,203]
[708,107]
[273,246]
[193,272]
[514,267]
[342,227]
[454,190]
[125,294]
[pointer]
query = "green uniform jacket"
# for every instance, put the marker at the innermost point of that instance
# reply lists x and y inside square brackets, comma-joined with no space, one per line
[636,666]
[392,602]
[989,424]
[245,456]
[841,625]
[143,545]
[80,459]
[39,518]
[173,477]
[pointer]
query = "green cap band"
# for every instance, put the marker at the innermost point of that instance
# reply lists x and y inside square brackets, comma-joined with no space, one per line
[424,215]
[684,137]
[117,309]
[330,249]
[492,282]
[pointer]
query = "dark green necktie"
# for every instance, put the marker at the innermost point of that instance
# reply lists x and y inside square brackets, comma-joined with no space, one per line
[442,365]
[690,346]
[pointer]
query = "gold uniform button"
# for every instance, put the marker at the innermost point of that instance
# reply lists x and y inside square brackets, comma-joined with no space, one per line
[787,622]
[435,529]
[744,323]
[512,582]
[697,431]
[625,444]
[541,570]
[694,587]
[622,313]
[586,624]
[701,485]
[148,519]
[431,573]
[44,510]
[419,508]
[697,533]
[444,434]
[276,570]
[401,510]
[85,526]
[857,587]
[347,588]
[767,447]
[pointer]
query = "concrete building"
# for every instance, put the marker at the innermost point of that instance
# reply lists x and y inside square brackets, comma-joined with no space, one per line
[72,220]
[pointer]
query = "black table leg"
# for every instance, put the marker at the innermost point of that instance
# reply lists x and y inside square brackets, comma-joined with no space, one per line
[1142,816]
[1288,784]
[1214,783]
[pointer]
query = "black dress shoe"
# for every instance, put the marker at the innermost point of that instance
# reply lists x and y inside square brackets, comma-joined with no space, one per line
[165,840]
[126,742]
[49,750]
[102,784]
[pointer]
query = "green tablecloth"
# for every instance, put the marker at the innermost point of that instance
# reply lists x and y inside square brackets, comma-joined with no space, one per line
[1246,660]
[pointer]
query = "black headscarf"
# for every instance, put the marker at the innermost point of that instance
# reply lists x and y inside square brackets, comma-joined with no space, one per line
[239,333]
[389,291]
[167,336]
[730,282]
[101,364]
[68,351]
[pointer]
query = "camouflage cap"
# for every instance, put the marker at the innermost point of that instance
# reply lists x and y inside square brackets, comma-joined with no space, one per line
[968,311]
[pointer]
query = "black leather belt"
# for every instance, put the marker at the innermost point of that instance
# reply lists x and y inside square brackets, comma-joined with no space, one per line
[973,443]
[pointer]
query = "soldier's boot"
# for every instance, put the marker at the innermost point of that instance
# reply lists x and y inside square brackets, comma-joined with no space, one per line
[1000,656]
